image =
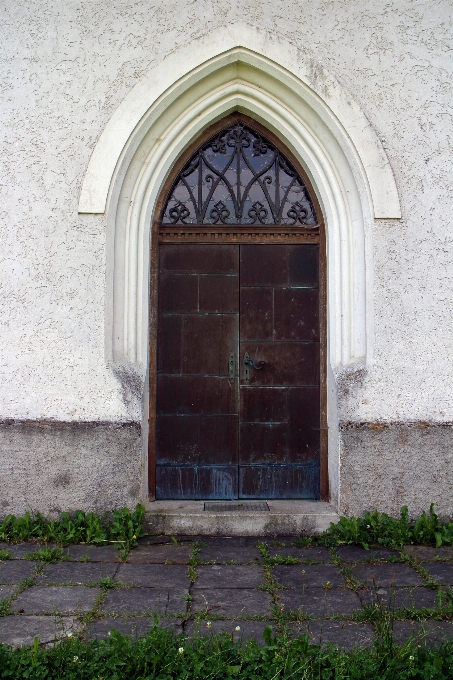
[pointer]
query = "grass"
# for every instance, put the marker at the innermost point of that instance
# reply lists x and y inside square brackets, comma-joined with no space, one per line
[379,529]
[122,528]
[162,655]
[47,555]
[281,559]
[108,583]
[194,560]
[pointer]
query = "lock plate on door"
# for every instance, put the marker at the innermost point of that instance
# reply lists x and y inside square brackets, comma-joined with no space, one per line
[231,367]
[246,368]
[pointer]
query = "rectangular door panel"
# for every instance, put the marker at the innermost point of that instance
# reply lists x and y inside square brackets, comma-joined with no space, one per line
[195,395]
[275,481]
[257,317]
[208,341]
[193,440]
[303,266]
[178,293]
[263,443]
[264,265]
[263,404]
[296,314]
[303,425]
[201,259]
[192,483]
[219,294]
[169,341]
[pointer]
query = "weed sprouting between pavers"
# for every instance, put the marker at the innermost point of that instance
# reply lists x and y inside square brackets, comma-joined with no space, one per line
[194,561]
[47,555]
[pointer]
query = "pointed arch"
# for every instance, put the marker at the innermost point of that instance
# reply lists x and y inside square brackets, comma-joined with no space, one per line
[240,43]
[303,106]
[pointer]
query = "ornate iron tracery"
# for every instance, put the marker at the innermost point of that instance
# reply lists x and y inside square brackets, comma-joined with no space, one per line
[239,177]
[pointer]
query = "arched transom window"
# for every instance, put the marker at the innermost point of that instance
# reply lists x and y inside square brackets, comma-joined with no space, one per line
[239,177]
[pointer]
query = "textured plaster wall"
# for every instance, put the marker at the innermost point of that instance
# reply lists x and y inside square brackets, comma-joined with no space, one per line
[66,66]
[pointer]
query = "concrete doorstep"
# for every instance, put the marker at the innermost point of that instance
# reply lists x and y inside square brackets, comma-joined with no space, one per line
[284,518]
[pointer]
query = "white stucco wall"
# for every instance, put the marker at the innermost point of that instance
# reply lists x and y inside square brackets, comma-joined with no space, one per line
[66,67]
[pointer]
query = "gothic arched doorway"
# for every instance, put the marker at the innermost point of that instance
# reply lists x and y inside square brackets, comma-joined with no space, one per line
[238,349]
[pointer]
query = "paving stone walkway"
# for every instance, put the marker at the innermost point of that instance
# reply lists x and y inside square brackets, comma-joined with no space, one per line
[206,585]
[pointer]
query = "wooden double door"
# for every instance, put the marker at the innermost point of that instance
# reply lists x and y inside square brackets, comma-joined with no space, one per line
[238,371]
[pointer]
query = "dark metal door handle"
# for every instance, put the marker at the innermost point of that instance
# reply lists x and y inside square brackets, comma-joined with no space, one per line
[257,366]
[249,363]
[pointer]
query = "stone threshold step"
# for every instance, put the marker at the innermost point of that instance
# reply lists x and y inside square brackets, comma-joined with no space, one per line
[284,518]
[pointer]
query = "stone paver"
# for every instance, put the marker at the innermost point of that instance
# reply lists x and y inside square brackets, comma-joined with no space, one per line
[385,575]
[93,553]
[308,575]
[152,575]
[18,631]
[7,591]
[160,554]
[146,601]
[133,626]
[222,554]
[18,550]
[230,603]
[168,540]
[154,581]
[355,553]
[76,572]
[232,542]
[347,635]
[401,598]
[248,629]
[229,576]
[320,602]
[61,599]
[427,632]
[442,572]
[15,571]
[426,553]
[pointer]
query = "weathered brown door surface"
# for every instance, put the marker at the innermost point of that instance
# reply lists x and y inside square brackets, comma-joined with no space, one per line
[197,402]
[279,399]
[238,404]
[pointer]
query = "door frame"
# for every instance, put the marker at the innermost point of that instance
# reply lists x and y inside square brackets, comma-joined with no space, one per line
[265,237]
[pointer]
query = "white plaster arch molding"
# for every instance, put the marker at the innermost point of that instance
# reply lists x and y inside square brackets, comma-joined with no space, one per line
[241,68]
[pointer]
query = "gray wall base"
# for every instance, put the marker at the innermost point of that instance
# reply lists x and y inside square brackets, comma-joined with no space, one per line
[52,467]
[388,465]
